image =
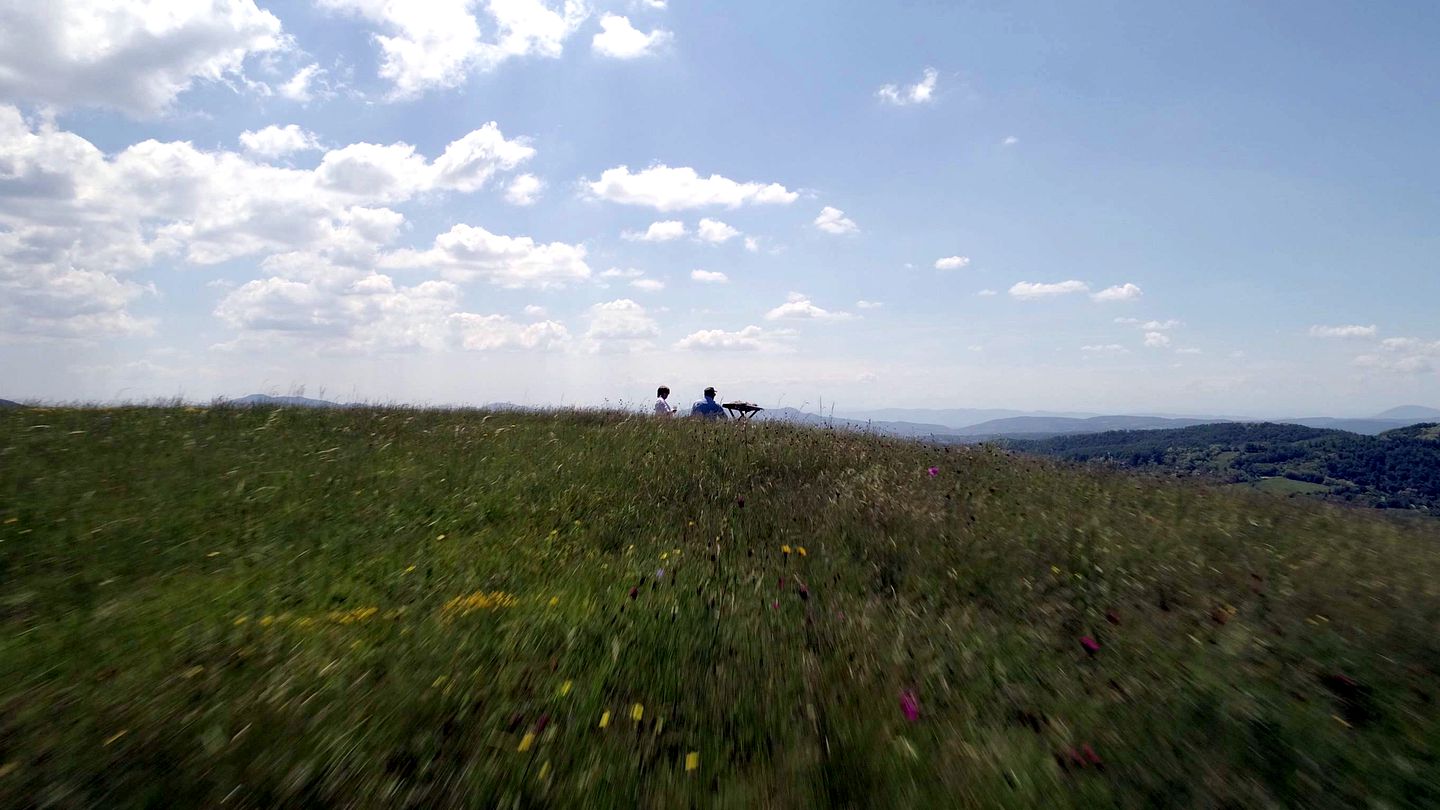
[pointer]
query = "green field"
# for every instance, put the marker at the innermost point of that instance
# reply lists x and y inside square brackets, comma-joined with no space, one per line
[1286,486]
[364,608]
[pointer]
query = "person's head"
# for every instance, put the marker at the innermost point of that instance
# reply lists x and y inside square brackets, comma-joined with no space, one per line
[710,392]
[663,392]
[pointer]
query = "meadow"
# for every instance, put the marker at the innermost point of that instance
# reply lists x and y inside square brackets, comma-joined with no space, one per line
[227,607]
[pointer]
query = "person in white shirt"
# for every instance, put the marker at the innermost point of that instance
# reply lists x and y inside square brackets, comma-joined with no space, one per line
[663,409]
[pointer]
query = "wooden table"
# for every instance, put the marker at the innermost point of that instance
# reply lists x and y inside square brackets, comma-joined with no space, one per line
[741,411]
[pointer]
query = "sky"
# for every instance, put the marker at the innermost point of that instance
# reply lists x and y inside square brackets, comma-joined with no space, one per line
[1221,208]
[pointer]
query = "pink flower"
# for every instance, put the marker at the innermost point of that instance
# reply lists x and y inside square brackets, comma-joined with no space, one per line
[909,705]
[934,471]
[1091,645]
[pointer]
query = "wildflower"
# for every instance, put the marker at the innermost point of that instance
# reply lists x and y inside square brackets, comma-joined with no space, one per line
[545,770]
[934,471]
[1091,645]
[526,741]
[554,600]
[542,723]
[775,605]
[636,712]
[634,592]
[605,719]
[239,620]
[800,550]
[409,569]
[785,550]
[565,688]
[692,760]
[659,573]
[441,537]
[909,705]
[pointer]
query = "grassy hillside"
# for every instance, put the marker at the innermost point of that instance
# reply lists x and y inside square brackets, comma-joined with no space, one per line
[258,608]
[1398,469]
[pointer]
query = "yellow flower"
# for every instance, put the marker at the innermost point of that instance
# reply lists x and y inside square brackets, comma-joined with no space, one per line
[545,770]
[565,688]
[605,719]
[784,549]
[266,621]
[800,549]
[411,568]
[554,600]
[526,741]
[636,712]
[239,620]
[692,760]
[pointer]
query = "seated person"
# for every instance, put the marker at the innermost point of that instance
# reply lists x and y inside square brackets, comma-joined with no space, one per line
[708,408]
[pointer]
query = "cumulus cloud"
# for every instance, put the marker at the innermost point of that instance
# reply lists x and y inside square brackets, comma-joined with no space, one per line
[1151,326]
[336,309]
[297,88]
[1403,355]
[618,39]
[715,232]
[648,284]
[1031,290]
[952,262]
[135,57]
[469,252]
[620,325]
[749,339]
[524,190]
[798,306]
[1349,331]
[535,311]
[833,220]
[709,277]
[1121,292]
[666,189]
[438,43]
[1157,340]
[657,232]
[274,141]
[922,92]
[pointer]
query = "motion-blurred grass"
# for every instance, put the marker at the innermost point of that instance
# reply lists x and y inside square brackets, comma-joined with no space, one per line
[258,608]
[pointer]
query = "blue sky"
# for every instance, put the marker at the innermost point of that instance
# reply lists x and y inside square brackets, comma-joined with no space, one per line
[1225,209]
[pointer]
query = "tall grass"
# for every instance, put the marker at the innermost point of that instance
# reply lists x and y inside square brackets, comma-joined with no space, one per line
[384,607]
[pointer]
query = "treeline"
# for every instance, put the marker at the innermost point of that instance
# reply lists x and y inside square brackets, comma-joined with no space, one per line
[1396,469]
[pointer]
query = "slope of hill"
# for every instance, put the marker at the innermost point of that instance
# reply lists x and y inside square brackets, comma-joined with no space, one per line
[1369,427]
[952,418]
[1411,413]
[292,402]
[912,430]
[1396,469]
[255,607]
[5,403]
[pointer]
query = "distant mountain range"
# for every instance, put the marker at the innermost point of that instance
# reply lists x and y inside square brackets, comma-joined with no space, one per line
[294,402]
[5,403]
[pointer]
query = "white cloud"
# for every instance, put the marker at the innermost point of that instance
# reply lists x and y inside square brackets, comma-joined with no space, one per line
[666,189]
[618,39]
[535,311]
[1122,292]
[1188,350]
[798,306]
[469,162]
[952,262]
[869,304]
[1351,331]
[654,5]
[524,189]
[1157,340]
[749,339]
[833,220]
[987,293]
[658,232]
[136,57]
[616,272]
[921,92]
[1108,348]
[1029,289]
[1403,355]
[1150,326]
[648,284]
[709,277]
[438,43]
[469,252]
[298,87]
[621,325]
[715,232]
[752,244]
[274,141]
[1010,140]
[338,309]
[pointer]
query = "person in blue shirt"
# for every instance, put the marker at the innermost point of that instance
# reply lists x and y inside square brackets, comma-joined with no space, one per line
[708,408]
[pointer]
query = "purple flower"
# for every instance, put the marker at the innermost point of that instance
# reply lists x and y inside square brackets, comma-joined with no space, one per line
[909,705]
[934,471]
[660,573]
[1091,645]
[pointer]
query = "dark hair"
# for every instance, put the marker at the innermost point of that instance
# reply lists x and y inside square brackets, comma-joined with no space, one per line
[662,391]
[710,392]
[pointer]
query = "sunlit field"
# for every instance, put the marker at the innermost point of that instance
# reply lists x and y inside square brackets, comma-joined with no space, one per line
[259,608]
